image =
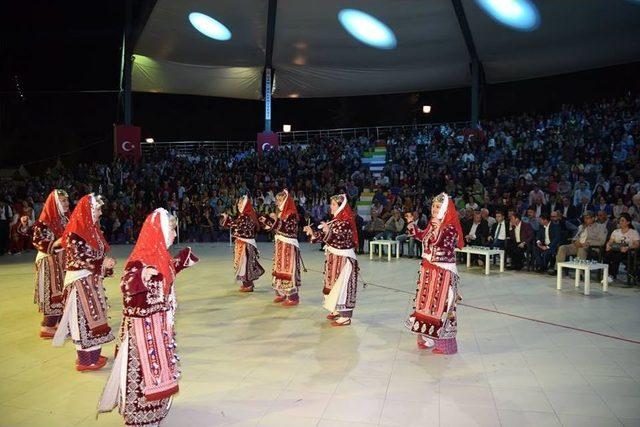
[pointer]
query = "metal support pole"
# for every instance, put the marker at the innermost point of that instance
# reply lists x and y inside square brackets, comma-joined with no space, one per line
[475,93]
[267,99]
[127,49]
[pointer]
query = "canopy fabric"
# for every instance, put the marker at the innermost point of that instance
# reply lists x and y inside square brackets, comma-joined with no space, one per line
[313,55]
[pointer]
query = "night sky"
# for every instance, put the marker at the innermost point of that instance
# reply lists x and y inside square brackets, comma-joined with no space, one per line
[61,55]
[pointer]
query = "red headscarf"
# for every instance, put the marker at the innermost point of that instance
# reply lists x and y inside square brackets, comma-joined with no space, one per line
[248,210]
[82,223]
[52,213]
[346,214]
[151,246]
[288,206]
[449,216]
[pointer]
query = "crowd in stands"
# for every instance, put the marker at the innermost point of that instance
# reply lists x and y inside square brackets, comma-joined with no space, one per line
[543,187]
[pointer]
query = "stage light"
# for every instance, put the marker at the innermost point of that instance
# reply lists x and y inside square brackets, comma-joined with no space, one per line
[150,140]
[520,15]
[209,26]
[286,128]
[367,29]
[426,109]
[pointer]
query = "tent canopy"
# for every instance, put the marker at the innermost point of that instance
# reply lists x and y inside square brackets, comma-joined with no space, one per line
[314,56]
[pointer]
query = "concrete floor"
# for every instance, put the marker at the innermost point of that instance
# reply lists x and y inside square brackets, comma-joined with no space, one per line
[249,362]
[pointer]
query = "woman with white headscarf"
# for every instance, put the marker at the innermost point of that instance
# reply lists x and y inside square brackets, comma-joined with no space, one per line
[85,318]
[244,228]
[286,254]
[145,372]
[434,318]
[47,239]
[340,237]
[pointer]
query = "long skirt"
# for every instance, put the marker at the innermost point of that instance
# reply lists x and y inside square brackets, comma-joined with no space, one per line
[286,269]
[49,287]
[434,314]
[84,318]
[246,263]
[126,385]
[340,284]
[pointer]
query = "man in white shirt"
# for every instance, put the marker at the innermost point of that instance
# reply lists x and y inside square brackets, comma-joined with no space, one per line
[498,234]
[520,239]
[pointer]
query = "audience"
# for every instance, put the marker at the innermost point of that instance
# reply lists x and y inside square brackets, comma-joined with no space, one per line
[546,173]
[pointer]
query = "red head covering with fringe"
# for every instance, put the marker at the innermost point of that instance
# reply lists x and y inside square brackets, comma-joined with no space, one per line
[346,214]
[289,206]
[250,212]
[82,224]
[151,246]
[52,214]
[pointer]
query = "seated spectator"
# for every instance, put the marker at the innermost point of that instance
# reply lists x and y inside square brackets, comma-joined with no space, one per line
[374,227]
[20,235]
[520,238]
[584,206]
[548,239]
[602,205]
[476,234]
[499,232]
[477,231]
[588,234]
[485,215]
[582,194]
[531,219]
[410,218]
[619,208]
[602,219]
[392,228]
[622,240]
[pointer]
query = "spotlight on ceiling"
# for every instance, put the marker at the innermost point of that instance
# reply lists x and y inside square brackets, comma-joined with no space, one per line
[149,140]
[426,109]
[520,15]
[367,29]
[209,27]
[286,128]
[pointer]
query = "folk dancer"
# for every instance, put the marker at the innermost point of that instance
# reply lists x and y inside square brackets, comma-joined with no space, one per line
[84,317]
[145,373]
[340,237]
[244,228]
[286,258]
[434,317]
[47,239]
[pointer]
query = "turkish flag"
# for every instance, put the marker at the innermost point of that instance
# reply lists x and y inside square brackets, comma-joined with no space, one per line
[126,142]
[266,141]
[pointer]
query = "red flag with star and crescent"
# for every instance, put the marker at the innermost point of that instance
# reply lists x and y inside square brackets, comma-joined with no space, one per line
[126,142]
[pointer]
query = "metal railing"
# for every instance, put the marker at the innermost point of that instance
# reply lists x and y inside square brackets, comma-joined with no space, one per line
[377,132]
[205,147]
[294,137]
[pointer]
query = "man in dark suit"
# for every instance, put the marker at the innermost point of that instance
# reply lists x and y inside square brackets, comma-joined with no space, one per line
[475,233]
[519,241]
[499,232]
[568,211]
[467,219]
[547,241]
[584,206]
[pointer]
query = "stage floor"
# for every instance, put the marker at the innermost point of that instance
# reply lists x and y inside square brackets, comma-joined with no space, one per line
[247,362]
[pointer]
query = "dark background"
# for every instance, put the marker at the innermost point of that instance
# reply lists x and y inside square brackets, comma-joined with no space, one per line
[59,80]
